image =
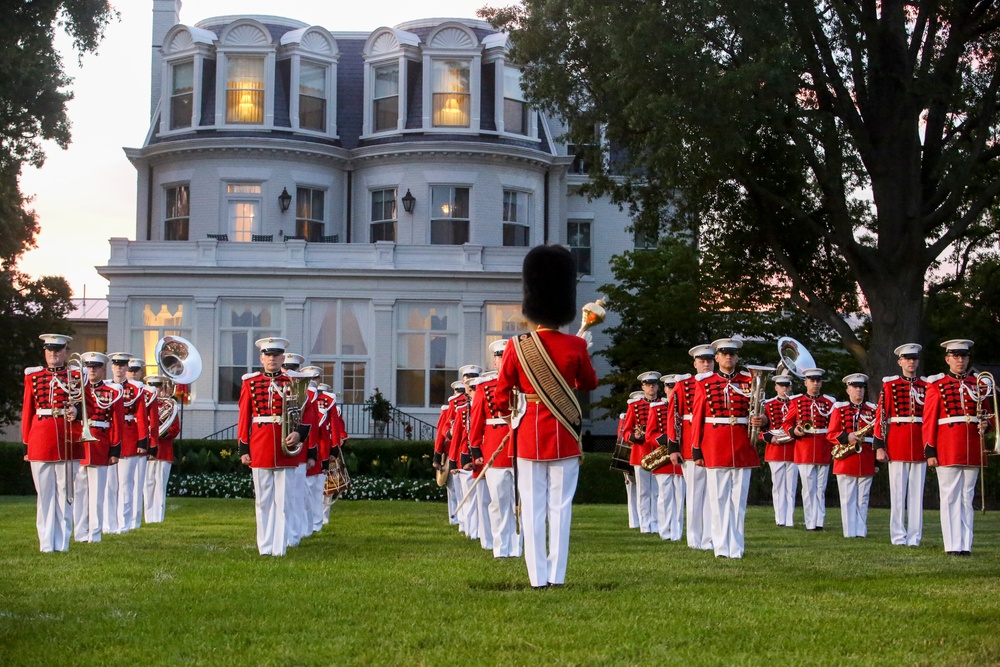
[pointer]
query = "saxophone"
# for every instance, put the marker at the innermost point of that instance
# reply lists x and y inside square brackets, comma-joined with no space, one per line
[656,458]
[845,449]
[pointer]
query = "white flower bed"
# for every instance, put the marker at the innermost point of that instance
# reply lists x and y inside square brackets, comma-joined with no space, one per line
[240,485]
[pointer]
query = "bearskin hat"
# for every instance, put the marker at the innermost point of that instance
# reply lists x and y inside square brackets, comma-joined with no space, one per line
[549,283]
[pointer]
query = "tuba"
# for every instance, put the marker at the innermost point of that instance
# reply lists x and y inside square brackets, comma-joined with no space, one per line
[294,397]
[794,359]
[178,359]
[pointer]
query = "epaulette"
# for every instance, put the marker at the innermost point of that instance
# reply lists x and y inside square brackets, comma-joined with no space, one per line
[113,384]
[136,384]
[444,408]
[247,376]
[829,397]
[935,378]
[701,376]
[681,378]
[841,404]
[871,405]
[621,416]
[889,378]
[653,405]
[794,396]
[924,379]
[633,400]
[33,369]
[455,396]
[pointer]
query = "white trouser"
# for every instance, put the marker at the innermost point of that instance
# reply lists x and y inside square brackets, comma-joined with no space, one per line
[645,490]
[547,489]
[957,485]
[633,507]
[483,508]
[127,466]
[89,502]
[111,524]
[814,478]
[453,498]
[295,507]
[784,482]
[670,506]
[53,517]
[157,474]
[906,493]
[506,541]
[316,484]
[465,515]
[699,516]
[138,489]
[854,493]
[727,497]
[270,496]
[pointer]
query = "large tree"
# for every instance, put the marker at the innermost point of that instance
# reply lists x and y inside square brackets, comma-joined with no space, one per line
[33,96]
[845,143]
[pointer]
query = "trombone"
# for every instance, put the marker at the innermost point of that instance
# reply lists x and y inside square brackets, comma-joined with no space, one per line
[985,388]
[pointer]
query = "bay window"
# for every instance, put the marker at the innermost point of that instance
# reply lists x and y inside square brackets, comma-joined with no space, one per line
[449,215]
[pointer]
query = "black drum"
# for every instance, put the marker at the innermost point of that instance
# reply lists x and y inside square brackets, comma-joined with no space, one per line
[620,457]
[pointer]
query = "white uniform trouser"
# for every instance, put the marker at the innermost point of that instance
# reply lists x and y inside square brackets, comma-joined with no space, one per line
[699,516]
[784,482]
[814,477]
[547,489]
[906,493]
[157,474]
[138,490]
[295,507]
[270,496]
[645,490]
[127,478]
[465,515]
[957,485]
[670,506]
[854,493]
[483,508]
[633,507]
[727,497]
[506,541]
[88,505]
[315,484]
[453,498]
[53,517]
[111,524]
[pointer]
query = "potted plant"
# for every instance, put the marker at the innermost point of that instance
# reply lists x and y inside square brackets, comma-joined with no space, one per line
[380,409]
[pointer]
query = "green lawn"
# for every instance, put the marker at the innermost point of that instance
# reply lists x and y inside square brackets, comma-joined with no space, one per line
[390,583]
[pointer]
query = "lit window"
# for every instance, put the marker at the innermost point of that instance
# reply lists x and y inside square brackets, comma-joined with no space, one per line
[245,90]
[503,321]
[312,97]
[515,110]
[385,107]
[151,320]
[426,353]
[243,202]
[181,95]
[516,218]
[449,215]
[578,240]
[309,214]
[241,324]
[178,214]
[383,215]
[451,91]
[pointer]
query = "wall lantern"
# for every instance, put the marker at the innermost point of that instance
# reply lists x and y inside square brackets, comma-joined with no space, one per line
[284,200]
[409,201]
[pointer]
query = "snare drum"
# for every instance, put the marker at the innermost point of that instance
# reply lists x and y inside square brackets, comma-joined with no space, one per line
[620,457]
[337,479]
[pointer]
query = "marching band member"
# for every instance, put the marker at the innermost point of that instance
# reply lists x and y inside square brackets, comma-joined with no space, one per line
[458,453]
[720,417]
[135,439]
[631,495]
[806,421]
[47,431]
[442,445]
[295,510]
[489,432]
[680,434]
[545,365]
[635,427]
[898,440]
[956,418]
[162,455]
[322,438]
[780,455]
[850,422]
[135,371]
[337,435]
[480,492]
[669,478]
[105,421]
[259,434]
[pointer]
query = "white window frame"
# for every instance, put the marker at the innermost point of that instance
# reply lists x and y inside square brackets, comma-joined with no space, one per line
[453,334]
[338,358]
[574,220]
[382,221]
[447,42]
[139,334]
[253,334]
[400,65]
[435,217]
[384,47]
[167,187]
[243,197]
[245,38]
[184,44]
[320,221]
[526,223]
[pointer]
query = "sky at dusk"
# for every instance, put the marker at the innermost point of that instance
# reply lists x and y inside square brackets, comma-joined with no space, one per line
[85,195]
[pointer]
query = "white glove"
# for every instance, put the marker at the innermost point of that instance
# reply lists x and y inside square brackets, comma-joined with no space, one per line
[589,337]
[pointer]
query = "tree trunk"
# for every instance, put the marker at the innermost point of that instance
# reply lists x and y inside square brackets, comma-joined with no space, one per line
[896,305]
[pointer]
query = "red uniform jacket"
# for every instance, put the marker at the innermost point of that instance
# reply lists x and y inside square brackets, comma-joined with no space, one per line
[321,435]
[153,418]
[259,427]
[459,449]
[136,433]
[337,427]
[449,422]
[44,434]
[106,415]
[656,426]
[847,418]
[540,436]
[679,433]
[951,427]
[440,446]
[486,428]
[813,447]
[775,410]
[900,418]
[719,419]
[634,429]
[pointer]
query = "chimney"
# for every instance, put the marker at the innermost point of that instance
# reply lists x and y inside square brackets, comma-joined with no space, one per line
[166,14]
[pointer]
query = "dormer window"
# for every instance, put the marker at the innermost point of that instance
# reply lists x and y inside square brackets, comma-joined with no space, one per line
[186,51]
[451,93]
[515,109]
[245,90]
[309,56]
[312,96]
[181,95]
[385,100]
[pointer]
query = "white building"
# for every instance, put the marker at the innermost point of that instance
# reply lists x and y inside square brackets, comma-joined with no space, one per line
[369,196]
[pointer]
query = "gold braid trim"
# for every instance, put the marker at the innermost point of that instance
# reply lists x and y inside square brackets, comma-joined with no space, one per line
[549,384]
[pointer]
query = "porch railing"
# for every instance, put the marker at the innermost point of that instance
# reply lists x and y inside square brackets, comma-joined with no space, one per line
[359,423]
